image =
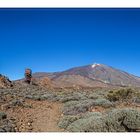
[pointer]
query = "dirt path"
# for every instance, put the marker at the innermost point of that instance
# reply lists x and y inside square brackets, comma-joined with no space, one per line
[42,117]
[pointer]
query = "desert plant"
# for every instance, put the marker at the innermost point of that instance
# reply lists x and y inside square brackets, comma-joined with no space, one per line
[3,115]
[67,120]
[117,120]
[90,114]
[71,97]
[136,100]
[93,123]
[73,108]
[48,96]
[17,102]
[121,94]
[7,125]
[123,120]
[93,96]
[103,102]
[81,106]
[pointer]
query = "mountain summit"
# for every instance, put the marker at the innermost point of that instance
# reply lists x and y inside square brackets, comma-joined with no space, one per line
[92,76]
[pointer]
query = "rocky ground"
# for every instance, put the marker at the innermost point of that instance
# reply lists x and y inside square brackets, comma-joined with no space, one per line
[40,117]
[31,108]
[19,114]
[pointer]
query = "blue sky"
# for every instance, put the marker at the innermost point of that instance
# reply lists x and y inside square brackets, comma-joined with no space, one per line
[49,40]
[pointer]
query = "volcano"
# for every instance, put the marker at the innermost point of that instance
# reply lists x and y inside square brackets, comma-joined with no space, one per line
[94,75]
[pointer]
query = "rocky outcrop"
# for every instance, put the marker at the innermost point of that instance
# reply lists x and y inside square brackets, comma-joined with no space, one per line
[46,82]
[5,82]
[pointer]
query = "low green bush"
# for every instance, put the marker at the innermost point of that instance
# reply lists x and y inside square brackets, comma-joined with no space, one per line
[7,126]
[76,107]
[103,102]
[3,115]
[67,120]
[92,123]
[73,108]
[71,97]
[93,96]
[121,94]
[122,120]
[90,114]
[117,120]
[17,102]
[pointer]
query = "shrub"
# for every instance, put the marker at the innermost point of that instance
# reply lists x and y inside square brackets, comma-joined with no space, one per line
[93,123]
[93,96]
[117,120]
[136,97]
[103,102]
[90,114]
[29,96]
[121,94]
[71,97]
[67,120]
[7,126]
[72,108]
[70,104]
[136,100]
[48,96]
[111,91]
[17,102]
[124,120]
[2,115]
[75,107]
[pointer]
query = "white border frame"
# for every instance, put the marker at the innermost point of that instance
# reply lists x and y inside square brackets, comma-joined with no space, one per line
[69,3]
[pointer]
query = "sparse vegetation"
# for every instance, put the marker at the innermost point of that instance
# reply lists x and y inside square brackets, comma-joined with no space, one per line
[6,125]
[67,120]
[81,106]
[83,110]
[123,120]
[113,120]
[2,115]
[121,94]
[117,120]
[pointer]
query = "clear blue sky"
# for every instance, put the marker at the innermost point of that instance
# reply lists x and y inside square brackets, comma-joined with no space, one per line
[49,40]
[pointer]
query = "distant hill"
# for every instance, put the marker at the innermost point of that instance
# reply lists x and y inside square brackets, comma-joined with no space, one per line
[95,75]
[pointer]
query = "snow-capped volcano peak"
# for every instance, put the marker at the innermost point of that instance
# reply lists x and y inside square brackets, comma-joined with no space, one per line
[95,65]
[91,75]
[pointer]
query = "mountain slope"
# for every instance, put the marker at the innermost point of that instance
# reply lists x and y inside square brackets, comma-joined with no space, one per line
[92,76]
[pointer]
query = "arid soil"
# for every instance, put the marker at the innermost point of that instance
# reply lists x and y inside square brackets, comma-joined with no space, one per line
[31,108]
[43,116]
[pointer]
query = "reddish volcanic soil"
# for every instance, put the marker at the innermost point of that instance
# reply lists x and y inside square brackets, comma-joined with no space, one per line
[42,117]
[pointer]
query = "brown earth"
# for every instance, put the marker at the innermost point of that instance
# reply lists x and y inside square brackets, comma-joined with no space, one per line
[5,82]
[43,116]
